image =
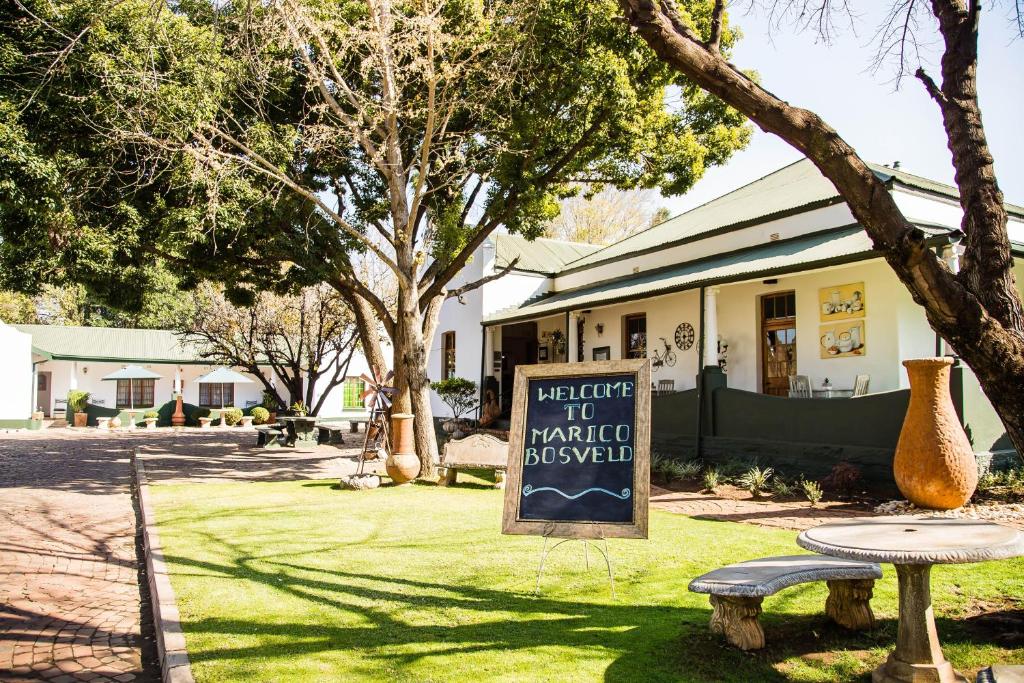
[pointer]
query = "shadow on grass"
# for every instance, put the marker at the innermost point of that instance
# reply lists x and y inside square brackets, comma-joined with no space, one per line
[651,642]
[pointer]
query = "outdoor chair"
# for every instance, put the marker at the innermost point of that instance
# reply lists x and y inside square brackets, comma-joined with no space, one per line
[666,386]
[799,386]
[860,386]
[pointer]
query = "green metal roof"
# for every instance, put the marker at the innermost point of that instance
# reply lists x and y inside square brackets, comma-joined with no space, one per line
[797,187]
[111,344]
[816,250]
[542,255]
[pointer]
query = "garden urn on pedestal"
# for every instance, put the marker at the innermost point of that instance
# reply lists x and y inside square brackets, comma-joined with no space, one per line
[403,464]
[178,418]
[934,465]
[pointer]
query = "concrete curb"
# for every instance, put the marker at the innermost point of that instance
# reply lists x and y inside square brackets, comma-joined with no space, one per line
[170,640]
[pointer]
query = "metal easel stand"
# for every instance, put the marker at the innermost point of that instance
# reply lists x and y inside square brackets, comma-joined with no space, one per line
[586,558]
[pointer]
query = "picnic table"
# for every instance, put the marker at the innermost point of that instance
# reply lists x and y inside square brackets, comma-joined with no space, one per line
[913,545]
[302,432]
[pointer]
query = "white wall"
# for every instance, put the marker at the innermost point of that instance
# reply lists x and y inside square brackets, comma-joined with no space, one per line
[892,328]
[90,378]
[663,316]
[333,405]
[18,395]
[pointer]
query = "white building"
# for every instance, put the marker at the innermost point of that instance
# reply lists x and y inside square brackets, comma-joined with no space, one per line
[56,359]
[789,282]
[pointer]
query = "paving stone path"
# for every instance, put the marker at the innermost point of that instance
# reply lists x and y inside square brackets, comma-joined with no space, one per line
[70,603]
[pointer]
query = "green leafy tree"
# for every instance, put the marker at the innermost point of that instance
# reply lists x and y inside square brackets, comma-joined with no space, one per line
[340,136]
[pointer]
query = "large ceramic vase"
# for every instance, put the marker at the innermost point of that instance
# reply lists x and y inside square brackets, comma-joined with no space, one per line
[934,464]
[178,418]
[403,464]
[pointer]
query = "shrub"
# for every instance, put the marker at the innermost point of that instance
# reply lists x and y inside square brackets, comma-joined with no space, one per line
[77,400]
[844,478]
[458,394]
[781,488]
[231,416]
[151,414]
[756,480]
[657,462]
[269,400]
[812,490]
[260,415]
[1004,485]
[684,470]
[711,479]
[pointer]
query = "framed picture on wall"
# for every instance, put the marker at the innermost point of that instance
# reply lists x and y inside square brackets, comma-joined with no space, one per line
[603,353]
[842,301]
[844,339]
[542,353]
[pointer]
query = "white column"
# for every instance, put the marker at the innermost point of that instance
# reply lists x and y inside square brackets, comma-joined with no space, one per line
[573,338]
[488,353]
[73,380]
[710,330]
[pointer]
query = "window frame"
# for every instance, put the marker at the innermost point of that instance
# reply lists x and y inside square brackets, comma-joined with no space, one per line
[448,355]
[143,394]
[213,400]
[627,350]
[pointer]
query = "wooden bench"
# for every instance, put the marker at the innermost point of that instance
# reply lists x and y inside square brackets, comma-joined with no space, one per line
[270,436]
[475,452]
[330,433]
[737,591]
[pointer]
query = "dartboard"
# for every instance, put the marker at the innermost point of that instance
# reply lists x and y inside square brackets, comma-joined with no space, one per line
[684,336]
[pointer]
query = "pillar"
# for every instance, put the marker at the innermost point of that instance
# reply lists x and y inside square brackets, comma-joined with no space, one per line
[73,380]
[572,338]
[710,330]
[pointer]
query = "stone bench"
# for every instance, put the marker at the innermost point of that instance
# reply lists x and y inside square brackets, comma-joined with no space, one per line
[737,591]
[354,422]
[269,436]
[475,452]
[330,434]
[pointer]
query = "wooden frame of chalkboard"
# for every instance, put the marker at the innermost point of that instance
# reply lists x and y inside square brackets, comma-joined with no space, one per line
[587,490]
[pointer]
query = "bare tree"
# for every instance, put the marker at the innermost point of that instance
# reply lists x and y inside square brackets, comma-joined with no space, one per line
[602,215]
[304,339]
[977,310]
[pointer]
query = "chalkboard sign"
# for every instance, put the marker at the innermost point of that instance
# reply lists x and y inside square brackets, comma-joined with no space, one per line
[579,450]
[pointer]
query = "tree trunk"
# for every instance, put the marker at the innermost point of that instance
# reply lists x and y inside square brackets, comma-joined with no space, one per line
[369,332]
[412,388]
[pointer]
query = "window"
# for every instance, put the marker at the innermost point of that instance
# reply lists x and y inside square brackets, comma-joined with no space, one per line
[353,388]
[216,395]
[142,390]
[635,345]
[448,356]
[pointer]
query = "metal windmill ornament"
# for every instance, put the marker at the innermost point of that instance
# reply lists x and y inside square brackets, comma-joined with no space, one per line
[378,390]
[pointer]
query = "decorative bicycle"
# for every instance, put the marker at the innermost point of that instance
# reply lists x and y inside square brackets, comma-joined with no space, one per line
[668,357]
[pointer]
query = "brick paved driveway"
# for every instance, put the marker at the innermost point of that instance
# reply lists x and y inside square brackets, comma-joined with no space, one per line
[70,604]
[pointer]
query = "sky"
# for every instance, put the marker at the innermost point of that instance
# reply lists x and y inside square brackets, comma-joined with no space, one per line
[884,124]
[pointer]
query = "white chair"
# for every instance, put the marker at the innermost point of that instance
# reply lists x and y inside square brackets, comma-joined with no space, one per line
[799,386]
[860,386]
[666,386]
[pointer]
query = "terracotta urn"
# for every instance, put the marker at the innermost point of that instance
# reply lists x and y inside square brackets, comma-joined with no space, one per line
[403,465]
[178,418]
[934,465]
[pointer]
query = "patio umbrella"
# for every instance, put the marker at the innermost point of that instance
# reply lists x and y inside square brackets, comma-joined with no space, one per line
[131,373]
[223,376]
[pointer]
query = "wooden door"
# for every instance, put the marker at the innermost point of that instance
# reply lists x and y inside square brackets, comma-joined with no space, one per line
[778,342]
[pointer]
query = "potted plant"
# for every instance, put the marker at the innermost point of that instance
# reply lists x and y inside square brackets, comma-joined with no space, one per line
[78,405]
[231,416]
[150,418]
[459,395]
[270,403]
[260,415]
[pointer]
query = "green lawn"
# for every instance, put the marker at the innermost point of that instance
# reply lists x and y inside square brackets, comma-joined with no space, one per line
[299,581]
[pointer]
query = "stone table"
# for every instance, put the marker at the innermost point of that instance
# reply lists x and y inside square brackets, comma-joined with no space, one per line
[913,545]
[301,432]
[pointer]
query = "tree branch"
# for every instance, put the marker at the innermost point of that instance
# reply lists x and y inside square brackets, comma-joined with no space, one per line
[457,293]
